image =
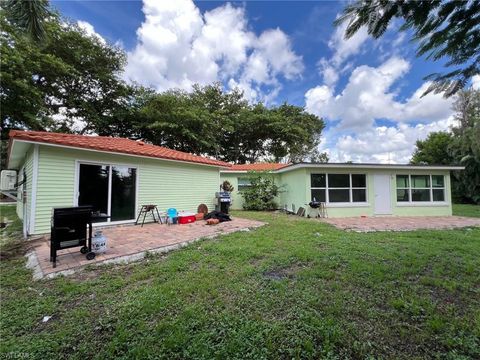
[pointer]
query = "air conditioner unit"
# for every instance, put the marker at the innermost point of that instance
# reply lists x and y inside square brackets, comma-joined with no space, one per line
[8,179]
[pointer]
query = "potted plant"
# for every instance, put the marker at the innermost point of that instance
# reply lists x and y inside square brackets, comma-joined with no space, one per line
[226,186]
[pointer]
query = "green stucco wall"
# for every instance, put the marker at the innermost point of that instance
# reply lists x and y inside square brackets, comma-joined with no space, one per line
[164,183]
[336,210]
[237,198]
[295,186]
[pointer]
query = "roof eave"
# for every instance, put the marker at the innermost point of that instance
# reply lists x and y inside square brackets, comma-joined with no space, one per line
[369,166]
[220,165]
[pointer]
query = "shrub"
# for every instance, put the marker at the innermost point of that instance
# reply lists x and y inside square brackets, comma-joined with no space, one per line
[261,193]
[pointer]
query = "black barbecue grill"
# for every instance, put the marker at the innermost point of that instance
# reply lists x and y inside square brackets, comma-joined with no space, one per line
[71,227]
[224,200]
[319,209]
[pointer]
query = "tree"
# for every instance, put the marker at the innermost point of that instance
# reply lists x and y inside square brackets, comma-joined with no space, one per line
[297,133]
[443,29]
[434,149]
[30,16]
[211,121]
[465,147]
[71,77]
[69,82]
[461,146]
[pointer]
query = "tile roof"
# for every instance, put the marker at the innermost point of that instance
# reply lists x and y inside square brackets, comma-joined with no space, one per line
[256,167]
[112,144]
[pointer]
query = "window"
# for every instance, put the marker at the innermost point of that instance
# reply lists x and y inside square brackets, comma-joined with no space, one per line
[339,188]
[420,188]
[243,183]
[438,187]
[318,187]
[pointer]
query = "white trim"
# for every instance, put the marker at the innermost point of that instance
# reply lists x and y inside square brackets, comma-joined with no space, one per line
[359,167]
[109,192]
[113,223]
[137,181]
[350,189]
[120,153]
[410,201]
[236,171]
[422,203]
[33,201]
[24,205]
[348,204]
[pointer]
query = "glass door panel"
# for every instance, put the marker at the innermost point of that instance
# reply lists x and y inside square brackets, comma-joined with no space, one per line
[123,193]
[93,186]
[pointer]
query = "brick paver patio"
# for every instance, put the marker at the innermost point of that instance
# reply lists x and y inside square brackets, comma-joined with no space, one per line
[129,243]
[402,223]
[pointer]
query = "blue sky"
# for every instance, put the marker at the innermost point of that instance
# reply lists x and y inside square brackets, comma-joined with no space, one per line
[368,91]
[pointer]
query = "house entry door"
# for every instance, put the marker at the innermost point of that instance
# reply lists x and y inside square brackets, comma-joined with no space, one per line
[381,184]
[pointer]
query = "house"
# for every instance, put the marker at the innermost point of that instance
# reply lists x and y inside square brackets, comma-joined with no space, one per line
[355,189]
[115,175]
[118,175]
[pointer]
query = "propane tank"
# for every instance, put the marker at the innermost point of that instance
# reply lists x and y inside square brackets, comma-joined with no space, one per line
[99,243]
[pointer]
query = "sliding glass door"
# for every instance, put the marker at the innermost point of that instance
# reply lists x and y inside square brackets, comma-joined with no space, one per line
[93,187]
[123,193]
[110,189]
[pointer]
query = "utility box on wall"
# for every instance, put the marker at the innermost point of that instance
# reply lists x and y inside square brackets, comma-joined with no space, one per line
[8,179]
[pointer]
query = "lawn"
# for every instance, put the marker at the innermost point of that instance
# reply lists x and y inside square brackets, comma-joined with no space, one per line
[295,288]
[466,210]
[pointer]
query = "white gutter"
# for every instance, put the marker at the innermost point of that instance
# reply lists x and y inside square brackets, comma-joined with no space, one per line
[234,171]
[368,166]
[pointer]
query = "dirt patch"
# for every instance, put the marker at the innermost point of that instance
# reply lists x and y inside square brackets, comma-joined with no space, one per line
[18,247]
[257,260]
[288,272]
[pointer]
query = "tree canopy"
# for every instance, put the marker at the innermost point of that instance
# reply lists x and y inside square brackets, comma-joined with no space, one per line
[434,149]
[29,15]
[461,146]
[443,29]
[71,82]
[214,122]
[70,78]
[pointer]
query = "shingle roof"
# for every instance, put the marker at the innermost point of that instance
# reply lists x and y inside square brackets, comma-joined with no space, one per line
[112,144]
[256,167]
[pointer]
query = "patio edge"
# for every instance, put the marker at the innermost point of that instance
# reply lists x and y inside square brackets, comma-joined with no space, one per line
[38,274]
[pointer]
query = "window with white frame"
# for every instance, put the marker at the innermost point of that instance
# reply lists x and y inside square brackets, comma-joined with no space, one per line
[339,188]
[420,188]
[243,183]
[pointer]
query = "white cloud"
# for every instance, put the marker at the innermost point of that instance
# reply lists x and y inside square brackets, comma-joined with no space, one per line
[368,96]
[382,144]
[90,30]
[476,82]
[178,46]
[342,49]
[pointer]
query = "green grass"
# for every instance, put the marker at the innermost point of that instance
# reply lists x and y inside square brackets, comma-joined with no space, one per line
[466,210]
[295,288]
